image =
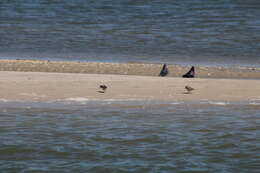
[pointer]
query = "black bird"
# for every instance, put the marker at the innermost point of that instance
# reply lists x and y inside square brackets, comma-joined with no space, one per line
[164,71]
[190,73]
[103,87]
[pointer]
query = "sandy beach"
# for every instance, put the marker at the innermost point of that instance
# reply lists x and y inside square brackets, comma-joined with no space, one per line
[41,86]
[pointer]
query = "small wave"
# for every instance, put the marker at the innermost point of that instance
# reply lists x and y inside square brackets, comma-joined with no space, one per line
[177,103]
[5,100]
[77,99]
[219,103]
[255,100]
[83,99]
[215,103]
[254,103]
[10,101]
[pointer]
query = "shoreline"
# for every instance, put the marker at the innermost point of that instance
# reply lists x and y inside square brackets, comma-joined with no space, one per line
[131,68]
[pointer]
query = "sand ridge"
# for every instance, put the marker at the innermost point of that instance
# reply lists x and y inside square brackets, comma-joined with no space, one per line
[141,69]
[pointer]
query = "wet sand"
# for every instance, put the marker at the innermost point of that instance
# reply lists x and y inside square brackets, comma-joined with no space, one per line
[41,86]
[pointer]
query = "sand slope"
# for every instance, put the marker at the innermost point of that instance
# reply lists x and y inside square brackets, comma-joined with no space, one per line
[140,69]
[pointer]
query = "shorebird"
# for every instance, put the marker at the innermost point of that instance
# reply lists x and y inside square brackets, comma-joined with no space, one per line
[189,89]
[164,71]
[190,73]
[103,87]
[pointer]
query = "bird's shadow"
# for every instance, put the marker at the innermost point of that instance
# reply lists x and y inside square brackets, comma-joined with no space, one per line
[187,93]
[101,91]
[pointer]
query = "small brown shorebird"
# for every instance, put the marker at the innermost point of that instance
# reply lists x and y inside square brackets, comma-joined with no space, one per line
[189,89]
[103,87]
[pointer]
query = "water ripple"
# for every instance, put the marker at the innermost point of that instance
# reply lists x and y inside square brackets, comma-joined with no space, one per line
[96,138]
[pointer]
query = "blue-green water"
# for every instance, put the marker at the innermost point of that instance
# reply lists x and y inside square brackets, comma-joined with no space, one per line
[131,136]
[212,32]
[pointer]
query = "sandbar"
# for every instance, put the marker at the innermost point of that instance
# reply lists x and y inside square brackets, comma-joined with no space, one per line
[46,86]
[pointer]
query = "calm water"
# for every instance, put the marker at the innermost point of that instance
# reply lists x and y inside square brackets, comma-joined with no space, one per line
[132,136]
[215,32]
[129,137]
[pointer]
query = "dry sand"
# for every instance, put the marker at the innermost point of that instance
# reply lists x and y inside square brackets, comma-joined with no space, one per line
[40,86]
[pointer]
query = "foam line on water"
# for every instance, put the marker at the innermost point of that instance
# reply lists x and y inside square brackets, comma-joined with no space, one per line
[219,103]
[84,100]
